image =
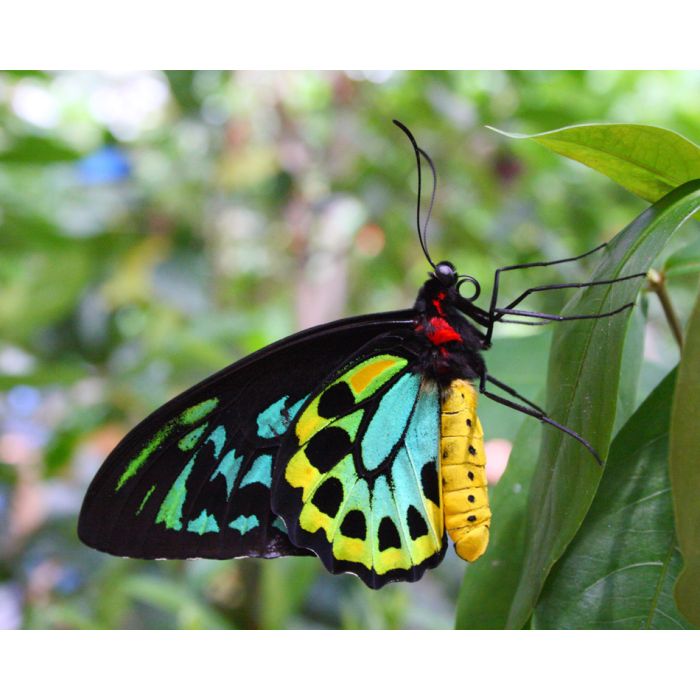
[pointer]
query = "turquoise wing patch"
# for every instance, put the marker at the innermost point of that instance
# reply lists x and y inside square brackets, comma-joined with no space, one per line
[198,485]
[228,466]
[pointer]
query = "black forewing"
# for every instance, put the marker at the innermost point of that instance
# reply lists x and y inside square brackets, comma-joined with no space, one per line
[192,479]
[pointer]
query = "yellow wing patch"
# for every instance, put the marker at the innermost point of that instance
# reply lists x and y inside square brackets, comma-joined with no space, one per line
[362,380]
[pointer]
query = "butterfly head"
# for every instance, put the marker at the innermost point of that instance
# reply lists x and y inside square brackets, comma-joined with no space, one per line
[446,274]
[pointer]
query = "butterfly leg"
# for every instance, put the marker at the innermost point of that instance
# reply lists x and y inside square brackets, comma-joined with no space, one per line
[555,317]
[523,266]
[510,390]
[531,410]
[569,285]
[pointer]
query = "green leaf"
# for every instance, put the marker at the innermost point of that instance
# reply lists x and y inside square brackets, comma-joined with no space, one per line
[490,583]
[173,597]
[646,160]
[40,288]
[53,373]
[618,572]
[684,261]
[526,375]
[685,469]
[35,150]
[279,604]
[584,375]
[631,368]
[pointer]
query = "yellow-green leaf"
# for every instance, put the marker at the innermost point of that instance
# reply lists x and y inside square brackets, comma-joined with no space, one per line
[685,469]
[647,160]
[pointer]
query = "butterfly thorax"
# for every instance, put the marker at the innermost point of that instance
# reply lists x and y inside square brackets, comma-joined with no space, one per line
[450,344]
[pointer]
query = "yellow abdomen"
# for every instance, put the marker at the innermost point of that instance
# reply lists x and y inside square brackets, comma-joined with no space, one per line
[463,471]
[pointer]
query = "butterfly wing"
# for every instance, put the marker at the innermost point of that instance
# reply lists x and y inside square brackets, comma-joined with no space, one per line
[193,479]
[357,478]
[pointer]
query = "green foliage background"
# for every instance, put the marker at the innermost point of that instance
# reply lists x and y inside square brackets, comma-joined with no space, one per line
[155,227]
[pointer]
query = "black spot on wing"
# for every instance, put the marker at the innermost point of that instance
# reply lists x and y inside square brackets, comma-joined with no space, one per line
[336,401]
[417,527]
[327,448]
[429,482]
[388,534]
[354,525]
[329,496]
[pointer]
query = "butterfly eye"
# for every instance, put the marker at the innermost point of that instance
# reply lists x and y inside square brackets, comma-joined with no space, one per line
[477,287]
[446,272]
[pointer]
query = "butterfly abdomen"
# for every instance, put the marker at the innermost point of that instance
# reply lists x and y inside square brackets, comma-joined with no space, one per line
[463,471]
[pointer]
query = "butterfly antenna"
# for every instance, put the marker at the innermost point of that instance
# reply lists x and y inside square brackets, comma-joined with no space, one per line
[422,230]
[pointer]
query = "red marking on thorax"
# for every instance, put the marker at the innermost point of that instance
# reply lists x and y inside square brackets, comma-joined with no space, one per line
[437,303]
[442,332]
[438,329]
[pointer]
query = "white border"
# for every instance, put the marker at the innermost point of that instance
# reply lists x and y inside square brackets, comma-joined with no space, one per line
[352,665]
[362,34]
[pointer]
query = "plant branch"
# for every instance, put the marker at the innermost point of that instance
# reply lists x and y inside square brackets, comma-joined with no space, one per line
[657,284]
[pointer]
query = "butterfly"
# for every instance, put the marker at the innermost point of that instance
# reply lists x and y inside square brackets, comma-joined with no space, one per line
[357,441]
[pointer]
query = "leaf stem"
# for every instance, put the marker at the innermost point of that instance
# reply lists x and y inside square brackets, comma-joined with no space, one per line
[657,284]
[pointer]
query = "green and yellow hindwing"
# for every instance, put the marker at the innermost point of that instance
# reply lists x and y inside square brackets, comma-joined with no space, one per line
[360,486]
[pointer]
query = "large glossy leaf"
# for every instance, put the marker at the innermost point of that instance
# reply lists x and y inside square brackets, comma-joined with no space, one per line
[490,583]
[584,375]
[646,160]
[685,469]
[619,570]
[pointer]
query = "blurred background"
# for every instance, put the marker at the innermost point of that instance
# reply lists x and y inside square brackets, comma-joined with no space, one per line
[157,226]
